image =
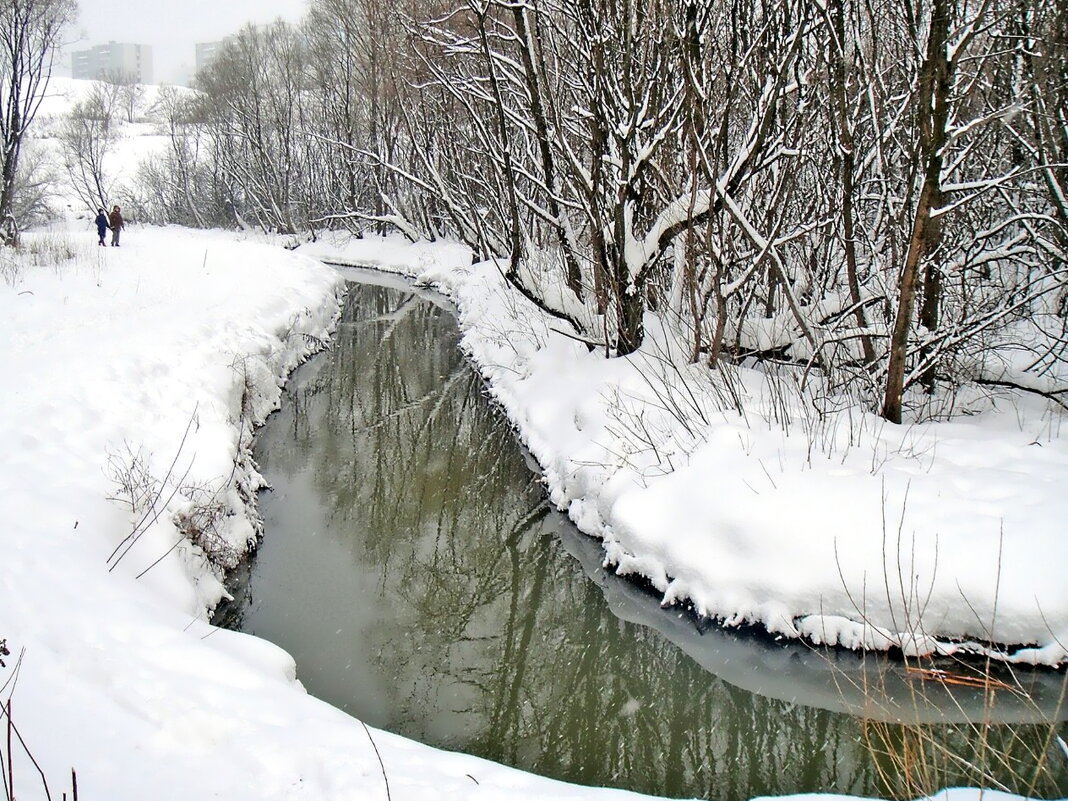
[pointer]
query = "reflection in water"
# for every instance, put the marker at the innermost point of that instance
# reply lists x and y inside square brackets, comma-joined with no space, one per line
[412,567]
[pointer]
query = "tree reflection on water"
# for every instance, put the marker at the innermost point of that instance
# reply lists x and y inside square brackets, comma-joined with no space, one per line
[415,571]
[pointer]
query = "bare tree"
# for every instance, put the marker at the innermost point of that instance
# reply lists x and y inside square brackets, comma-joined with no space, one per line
[177,186]
[981,254]
[131,93]
[87,137]
[578,111]
[932,109]
[29,35]
[254,102]
[35,186]
[871,194]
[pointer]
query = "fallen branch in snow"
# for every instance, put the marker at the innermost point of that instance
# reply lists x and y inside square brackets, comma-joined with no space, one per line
[515,281]
[958,679]
[1048,395]
[589,343]
[395,220]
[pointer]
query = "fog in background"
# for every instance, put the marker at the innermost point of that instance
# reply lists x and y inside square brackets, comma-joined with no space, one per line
[170,27]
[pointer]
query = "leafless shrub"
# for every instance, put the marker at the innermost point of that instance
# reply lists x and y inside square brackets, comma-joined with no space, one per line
[200,509]
[674,412]
[14,736]
[10,267]
[35,187]
[32,32]
[201,522]
[916,759]
[87,138]
[51,249]
[135,487]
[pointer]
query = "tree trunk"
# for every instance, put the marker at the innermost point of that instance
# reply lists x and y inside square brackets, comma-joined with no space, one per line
[630,310]
[533,79]
[7,194]
[933,112]
[848,170]
[895,378]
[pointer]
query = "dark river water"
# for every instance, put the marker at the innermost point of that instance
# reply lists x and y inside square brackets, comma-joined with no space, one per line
[413,568]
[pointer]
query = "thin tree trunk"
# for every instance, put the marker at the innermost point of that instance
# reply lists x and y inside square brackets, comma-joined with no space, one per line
[933,105]
[895,379]
[533,78]
[848,171]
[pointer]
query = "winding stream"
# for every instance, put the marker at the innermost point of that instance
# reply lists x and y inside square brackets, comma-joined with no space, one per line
[413,568]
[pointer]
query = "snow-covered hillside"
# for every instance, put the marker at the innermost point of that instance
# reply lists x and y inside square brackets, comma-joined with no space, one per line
[134,141]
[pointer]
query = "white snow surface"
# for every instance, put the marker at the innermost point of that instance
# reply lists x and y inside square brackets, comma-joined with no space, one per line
[115,351]
[836,527]
[118,352]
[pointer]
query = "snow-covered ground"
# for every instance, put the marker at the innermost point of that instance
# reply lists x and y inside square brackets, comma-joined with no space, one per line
[150,363]
[836,527]
[166,349]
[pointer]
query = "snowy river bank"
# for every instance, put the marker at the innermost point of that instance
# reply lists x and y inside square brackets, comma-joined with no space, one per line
[110,356]
[110,352]
[830,526]
[413,568]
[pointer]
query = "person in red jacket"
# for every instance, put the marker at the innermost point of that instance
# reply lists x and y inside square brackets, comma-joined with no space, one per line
[115,223]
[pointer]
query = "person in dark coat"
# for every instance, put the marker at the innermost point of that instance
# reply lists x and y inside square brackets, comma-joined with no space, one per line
[116,223]
[102,225]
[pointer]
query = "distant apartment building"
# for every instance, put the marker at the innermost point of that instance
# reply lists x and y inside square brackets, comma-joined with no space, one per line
[206,52]
[113,61]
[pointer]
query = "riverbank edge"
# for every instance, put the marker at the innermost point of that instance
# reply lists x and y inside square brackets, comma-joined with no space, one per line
[452,282]
[114,354]
[266,398]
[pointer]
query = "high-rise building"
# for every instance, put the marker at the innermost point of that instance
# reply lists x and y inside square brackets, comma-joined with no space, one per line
[114,61]
[207,51]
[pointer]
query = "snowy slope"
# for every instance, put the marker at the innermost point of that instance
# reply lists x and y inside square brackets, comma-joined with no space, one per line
[112,352]
[838,527]
[135,142]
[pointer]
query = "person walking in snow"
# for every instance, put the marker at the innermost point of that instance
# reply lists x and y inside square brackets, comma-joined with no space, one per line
[102,225]
[116,223]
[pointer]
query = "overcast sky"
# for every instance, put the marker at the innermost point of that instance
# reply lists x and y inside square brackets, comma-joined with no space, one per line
[172,27]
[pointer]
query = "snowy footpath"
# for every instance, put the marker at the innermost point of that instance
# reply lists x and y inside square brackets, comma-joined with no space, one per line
[132,377]
[719,488]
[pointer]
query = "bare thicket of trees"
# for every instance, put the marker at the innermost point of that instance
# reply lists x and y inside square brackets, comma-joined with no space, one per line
[874,192]
[35,192]
[86,137]
[131,94]
[29,36]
